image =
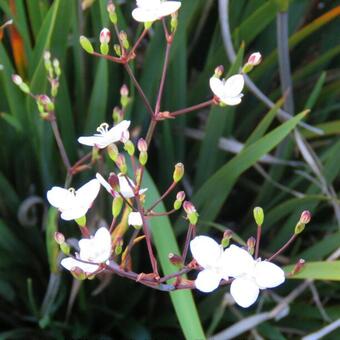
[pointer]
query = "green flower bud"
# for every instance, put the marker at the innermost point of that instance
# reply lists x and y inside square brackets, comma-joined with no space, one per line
[192,214]
[117,205]
[117,50]
[86,44]
[65,248]
[124,40]
[143,158]
[129,148]
[258,215]
[299,228]
[104,49]
[227,235]
[178,173]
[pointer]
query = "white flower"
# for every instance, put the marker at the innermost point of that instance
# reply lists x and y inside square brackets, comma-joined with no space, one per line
[151,10]
[126,184]
[228,90]
[106,136]
[250,275]
[97,249]
[135,219]
[104,183]
[74,204]
[209,255]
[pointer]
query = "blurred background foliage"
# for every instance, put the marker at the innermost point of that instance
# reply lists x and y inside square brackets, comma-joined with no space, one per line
[225,183]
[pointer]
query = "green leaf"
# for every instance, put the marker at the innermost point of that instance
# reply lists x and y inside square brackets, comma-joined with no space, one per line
[51,245]
[322,270]
[166,243]
[211,196]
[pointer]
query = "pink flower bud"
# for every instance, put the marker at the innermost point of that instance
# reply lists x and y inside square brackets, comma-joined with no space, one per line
[104,36]
[305,217]
[180,196]
[114,181]
[227,234]
[124,91]
[59,237]
[142,145]
[188,207]
[251,242]
[219,71]
[125,136]
[111,7]
[254,59]
[175,259]
[17,80]
[47,55]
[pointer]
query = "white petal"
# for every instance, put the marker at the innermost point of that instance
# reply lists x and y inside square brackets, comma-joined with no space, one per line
[233,86]
[103,241]
[86,194]
[207,281]
[60,198]
[168,7]
[145,15]
[104,183]
[244,292]
[98,141]
[116,132]
[74,212]
[232,101]
[148,4]
[135,219]
[205,251]
[125,186]
[268,275]
[69,263]
[216,86]
[236,261]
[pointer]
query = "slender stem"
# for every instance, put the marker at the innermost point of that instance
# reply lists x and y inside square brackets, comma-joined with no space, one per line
[161,85]
[120,43]
[176,274]
[283,248]
[81,160]
[130,245]
[60,144]
[139,89]
[167,213]
[258,238]
[112,226]
[132,51]
[109,57]
[147,237]
[192,108]
[167,192]
[187,241]
[151,130]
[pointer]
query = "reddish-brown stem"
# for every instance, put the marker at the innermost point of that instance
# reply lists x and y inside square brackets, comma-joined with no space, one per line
[85,231]
[134,167]
[120,43]
[176,274]
[112,226]
[80,161]
[192,108]
[284,247]
[151,130]
[161,85]
[147,234]
[109,57]
[139,89]
[130,245]
[258,239]
[187,241]
[125,200]
[60,143]
[167,192]
[138,41]
[167,213]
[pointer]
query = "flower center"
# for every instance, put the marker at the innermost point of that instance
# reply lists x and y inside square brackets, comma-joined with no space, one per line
[103,128]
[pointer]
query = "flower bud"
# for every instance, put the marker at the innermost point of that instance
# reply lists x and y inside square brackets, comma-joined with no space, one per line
[124,91]
[117,50]
[121,164]
[125,136]
[104,36]
[258,215]
[129,148]
[112,151]
[251,245]
[86,44]
[178,173]
[59,237]
[175,259]
[124,40]
[113,181]
[55,85]
[117,205]
[254,59]
[112,12]
[299,228]
[17,80]
[56,66]
[78,273]
[298,267]
[192,214]
[227,235]
[219,71]
[142,145]
[180,197]
[143,158]
[124,96]
[305,217]
[117,115]
[65,248]
[45,102]
[174,22]
[119,247]
[47,56]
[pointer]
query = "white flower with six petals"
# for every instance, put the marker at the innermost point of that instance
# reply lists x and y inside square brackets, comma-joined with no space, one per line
[97,249]
[151,10]
[228,91]
[74,204]
[106,136]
